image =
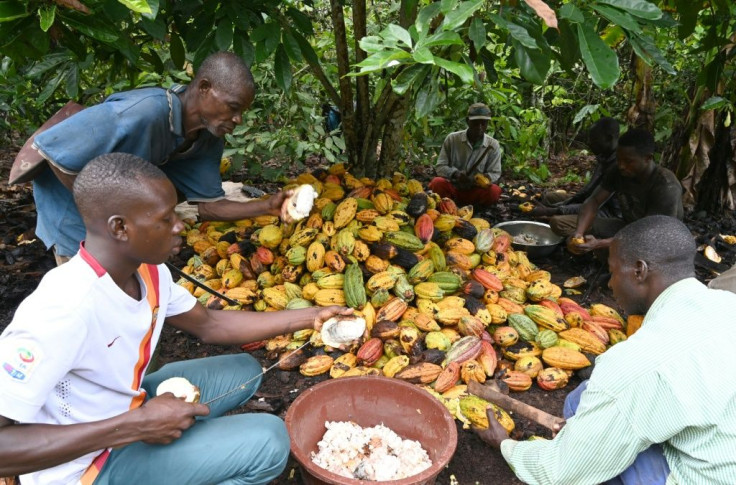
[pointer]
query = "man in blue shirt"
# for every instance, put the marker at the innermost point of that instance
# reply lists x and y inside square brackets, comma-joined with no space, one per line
[180,130]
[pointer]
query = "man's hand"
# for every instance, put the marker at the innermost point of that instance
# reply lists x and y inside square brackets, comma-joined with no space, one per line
[165,418]
[463,181]
[576,247]
[324,314]
[494,434]
[543,212]
[278,205]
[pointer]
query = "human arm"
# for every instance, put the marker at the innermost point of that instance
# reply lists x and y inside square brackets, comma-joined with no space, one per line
[230,210]
[585,220]
[228,327]
[597,444]
[26,448]
[444,168]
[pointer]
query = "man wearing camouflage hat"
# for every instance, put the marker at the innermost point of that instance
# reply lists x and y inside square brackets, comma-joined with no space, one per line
[469,163]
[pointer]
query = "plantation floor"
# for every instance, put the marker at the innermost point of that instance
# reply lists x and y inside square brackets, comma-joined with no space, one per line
[24,260]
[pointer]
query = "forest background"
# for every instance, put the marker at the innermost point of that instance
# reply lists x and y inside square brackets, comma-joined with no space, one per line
[402,73]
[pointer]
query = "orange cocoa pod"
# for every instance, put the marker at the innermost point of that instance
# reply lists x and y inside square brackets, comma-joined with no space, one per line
[448,377]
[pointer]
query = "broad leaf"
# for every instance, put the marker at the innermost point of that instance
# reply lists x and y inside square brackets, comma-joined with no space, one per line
[371,44]
[155,28]
[176,50]
[533,63]
[585,111]
[90,28]
[47,15]
[291,46]
[428,98]
[477,33]
[463,71]
[50,87]
[303,22]
[447,5]
[570,12]
[382,60]
[408,77]
[243,48]
[423,56]
[568,45]
[618,17]
[425,16]
[71,80]
[601,61]
[395,32]
[520,34]
[544,12]
[282,68]
[688,10]
[463,12]
[224,34]
[439,39]
[48,62]
[140,6]
[306,48]
[638,8]
[714,102]
[11,10]
[650,53]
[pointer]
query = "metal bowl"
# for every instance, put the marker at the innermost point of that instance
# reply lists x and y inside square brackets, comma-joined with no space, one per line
[547,241]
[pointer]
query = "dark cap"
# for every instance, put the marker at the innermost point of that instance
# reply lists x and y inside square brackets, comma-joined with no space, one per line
[479,111]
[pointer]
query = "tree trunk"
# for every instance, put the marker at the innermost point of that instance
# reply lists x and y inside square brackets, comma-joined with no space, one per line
[641,113]
[714,188]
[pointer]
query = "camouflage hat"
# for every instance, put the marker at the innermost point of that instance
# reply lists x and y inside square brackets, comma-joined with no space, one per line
[479,111]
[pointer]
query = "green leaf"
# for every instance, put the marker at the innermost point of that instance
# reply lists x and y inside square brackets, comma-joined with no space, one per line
[463,71]
[688,10]
[282,68]
[477,33]
[397,33]
[638,8]
[224,34]
[177,51]
[568,45]
[533,63]
[71,80]
[522,35]
[382,60]
[50,87]
[140,6]
[425,16]
[423,56]
[447,5]
[91,28]
[570,12]
[306,48]
[585,111]
[291,46]
[463,12]
[406,79]
[244,48]
[428,98]
[440,39]
[714,102]
[11,10]
[302,22]
[371,44]
[155,28]
[48,62]
[622,19]
[267,37]
[650,53]
[601,61]
[47,15]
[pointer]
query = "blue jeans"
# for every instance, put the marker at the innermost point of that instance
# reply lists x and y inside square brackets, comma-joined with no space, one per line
[239,449]
[650,466]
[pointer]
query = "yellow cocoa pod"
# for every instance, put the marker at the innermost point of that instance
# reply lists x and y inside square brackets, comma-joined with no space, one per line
[316,365]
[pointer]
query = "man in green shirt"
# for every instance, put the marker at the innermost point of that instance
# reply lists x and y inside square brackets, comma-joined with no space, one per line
[661,387]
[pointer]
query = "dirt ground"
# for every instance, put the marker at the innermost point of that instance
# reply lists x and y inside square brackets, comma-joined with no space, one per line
[24,260]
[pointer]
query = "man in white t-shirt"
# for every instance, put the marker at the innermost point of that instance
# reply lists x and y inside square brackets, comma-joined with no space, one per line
[75,406]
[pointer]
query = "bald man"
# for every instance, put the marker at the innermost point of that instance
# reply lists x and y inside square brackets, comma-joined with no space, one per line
[654,411]
[179,129]
[76,405]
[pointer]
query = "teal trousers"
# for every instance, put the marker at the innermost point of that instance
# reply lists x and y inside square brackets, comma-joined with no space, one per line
[240,449]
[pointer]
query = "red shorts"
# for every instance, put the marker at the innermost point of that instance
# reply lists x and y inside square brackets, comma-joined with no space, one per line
[475,196]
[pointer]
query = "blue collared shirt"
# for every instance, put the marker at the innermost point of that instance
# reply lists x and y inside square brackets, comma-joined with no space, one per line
[144,122]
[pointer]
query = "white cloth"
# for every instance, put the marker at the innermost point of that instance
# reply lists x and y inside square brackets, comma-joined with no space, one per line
[76,351]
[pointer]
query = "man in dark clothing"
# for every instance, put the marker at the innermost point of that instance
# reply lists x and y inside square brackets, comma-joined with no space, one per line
[643,189]
[603,142]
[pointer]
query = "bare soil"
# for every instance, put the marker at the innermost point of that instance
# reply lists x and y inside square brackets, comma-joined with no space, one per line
[24,260]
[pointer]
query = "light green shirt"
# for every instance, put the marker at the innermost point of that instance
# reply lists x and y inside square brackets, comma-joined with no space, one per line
[672,382]
[458,154]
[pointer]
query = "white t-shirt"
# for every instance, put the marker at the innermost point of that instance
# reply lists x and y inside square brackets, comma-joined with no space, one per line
[78,347]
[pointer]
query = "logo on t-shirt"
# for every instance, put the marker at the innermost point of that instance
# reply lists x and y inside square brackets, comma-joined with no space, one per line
[20,364]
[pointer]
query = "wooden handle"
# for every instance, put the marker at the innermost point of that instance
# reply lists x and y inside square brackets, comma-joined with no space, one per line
[549,421]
